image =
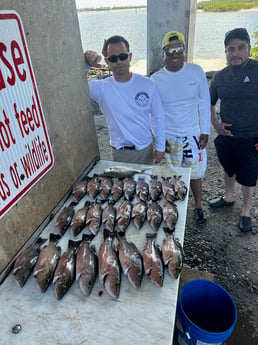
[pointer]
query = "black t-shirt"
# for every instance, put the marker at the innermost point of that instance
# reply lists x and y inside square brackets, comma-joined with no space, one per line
[237,89]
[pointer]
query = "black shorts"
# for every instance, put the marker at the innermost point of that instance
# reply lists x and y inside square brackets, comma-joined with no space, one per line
[239,157]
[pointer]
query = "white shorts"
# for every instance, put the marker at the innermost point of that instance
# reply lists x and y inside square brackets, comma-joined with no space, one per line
[185,152]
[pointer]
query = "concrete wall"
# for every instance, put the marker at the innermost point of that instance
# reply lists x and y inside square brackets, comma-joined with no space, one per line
[54,43]
[164,16]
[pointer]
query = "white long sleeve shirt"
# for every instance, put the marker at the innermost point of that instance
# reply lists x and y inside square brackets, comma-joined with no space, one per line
[132,109]
[186,100]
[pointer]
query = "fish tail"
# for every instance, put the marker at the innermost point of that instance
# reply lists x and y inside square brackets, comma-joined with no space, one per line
[40,241]
[168,231]
[108,234]
[87,237]
[72,204]
[73,244]
[54,237]
[151,236]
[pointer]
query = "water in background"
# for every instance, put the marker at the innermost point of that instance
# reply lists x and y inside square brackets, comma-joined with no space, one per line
[132,24]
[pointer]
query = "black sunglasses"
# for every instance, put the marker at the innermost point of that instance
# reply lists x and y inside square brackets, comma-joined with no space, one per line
[121,57]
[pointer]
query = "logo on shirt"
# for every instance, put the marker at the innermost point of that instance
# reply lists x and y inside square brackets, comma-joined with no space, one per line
[246,80]
[142,99]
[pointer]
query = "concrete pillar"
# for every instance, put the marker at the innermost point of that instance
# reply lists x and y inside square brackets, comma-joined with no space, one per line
[164,16]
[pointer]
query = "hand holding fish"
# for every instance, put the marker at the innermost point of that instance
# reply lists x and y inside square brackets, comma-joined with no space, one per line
[92,58]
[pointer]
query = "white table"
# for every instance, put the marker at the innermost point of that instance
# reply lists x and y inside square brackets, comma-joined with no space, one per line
[146,316]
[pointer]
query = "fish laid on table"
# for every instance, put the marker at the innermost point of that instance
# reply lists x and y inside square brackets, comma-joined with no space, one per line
[79,219]
[123,215]
[142,190]
[168,189]
[170,214]
[109,266]
[109,216]
[94,217]
[139,213]
[129,188]
[105,186]
[123,172]
[93,186]
[152,261]
[131,261]
[117,189]
[79,190]
[47,262]
[65,271]
[172,253]
[86,264]
[64,219]
[155,188]
[26,261]
[154,215]
[179,187]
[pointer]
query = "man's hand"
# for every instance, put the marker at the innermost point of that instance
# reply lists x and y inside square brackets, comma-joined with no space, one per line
[203,140]
[222,130]
[158,156]
[167,147]
[92,58]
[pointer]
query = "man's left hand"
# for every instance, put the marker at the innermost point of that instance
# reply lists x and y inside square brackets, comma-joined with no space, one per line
[158,156]
[203,140]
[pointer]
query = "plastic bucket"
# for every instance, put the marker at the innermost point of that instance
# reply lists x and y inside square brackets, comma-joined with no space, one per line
[206,314]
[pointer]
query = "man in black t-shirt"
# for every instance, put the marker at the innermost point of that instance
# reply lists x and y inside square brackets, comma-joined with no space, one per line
[237,143]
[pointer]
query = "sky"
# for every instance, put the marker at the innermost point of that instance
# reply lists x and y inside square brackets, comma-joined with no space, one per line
[108,3]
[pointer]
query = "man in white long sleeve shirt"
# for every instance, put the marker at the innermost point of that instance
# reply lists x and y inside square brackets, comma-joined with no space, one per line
[131,105]
[184,93]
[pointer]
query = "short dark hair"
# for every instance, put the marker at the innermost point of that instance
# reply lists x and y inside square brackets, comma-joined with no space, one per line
[116,39]
[240,33]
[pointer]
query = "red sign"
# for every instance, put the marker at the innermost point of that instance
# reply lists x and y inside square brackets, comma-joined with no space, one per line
[25,149]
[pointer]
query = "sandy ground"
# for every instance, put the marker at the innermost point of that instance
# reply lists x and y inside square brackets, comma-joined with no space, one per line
[218,248]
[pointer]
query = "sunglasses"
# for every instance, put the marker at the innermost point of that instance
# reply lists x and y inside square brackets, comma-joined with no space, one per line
[121,57]
[171,51]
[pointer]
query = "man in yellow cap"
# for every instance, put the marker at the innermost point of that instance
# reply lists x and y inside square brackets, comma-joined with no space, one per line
[184,93]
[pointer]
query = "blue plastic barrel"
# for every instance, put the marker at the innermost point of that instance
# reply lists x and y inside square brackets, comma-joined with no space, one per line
[206,314]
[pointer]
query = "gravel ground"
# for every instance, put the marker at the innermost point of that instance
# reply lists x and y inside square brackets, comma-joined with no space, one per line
[218,247]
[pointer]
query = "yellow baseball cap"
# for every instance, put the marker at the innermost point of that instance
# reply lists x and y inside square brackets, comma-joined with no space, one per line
[173,37]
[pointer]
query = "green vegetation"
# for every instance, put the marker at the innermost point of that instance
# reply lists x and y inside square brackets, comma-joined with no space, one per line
[254,50]
[224,6]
